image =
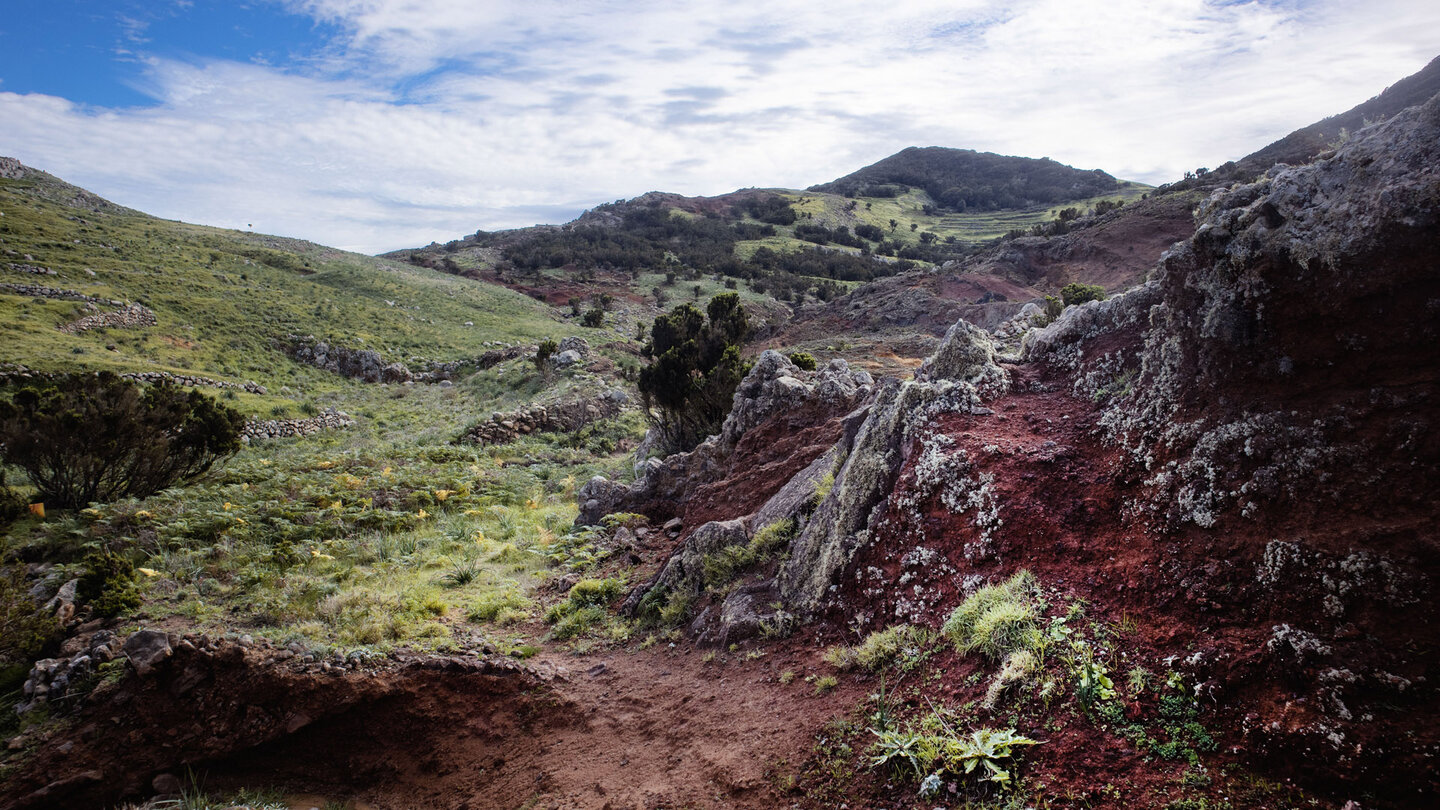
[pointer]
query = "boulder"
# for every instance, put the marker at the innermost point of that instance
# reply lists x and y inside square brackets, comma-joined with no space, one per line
[146,650]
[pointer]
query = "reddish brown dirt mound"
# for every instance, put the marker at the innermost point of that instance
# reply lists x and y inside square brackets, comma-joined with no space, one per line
[663,727]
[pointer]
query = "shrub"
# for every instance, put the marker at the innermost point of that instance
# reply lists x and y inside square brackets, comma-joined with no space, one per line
[24,627]
[997,619]
[1076,293]
[587,593]
[695,367]
[803,360]
[593,318]
[543,353]
[96,437]
[108,584]
[12,505]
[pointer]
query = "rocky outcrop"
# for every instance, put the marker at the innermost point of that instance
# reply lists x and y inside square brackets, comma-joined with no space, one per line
[133,316]
[958,378]
[1274,391]
[556,417]
[775,391]
[835,500]
[1290,338]
[50,679]
[370,366]
[366,365]
[329,419]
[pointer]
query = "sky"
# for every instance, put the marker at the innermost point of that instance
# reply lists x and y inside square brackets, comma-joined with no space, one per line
[374,125]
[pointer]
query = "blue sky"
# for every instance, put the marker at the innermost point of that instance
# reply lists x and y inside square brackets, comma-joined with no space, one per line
[379,124]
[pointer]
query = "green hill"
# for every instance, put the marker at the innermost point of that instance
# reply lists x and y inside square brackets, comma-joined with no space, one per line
[963,179]
[223,300]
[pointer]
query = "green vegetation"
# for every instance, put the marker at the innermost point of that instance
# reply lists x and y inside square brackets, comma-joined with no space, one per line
[982,755]
[881,649]
[108,584]
[225,300]
[962,179]
[96,438]
[997,619]
[723,567]
[694,369]
[804,361]
[1076,293]
[23,628]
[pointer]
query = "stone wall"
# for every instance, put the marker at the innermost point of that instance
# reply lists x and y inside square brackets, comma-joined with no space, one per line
[329,419]
[16,373]
[506,427]
[31,269]
[134,316]
[41,291]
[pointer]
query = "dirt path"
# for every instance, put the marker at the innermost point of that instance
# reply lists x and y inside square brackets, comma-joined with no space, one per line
[657,728]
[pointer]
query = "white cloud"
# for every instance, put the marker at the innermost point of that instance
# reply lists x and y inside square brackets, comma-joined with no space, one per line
[431,118]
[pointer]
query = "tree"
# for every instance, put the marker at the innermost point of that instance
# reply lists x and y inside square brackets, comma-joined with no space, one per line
[695,366]
[1077,293]
[88,438]
[543,353]
[594,318]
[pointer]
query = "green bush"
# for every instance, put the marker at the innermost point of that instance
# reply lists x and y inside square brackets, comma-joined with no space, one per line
[89,438]
[24,628]
[593,318]
[1077,293]
[12,505]
[694,369]
[108,584]
[543,353]
[805,361]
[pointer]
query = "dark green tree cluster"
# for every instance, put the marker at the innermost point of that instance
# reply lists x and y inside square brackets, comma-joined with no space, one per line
[959,179]
[771,208]
[695,365]
[87,438]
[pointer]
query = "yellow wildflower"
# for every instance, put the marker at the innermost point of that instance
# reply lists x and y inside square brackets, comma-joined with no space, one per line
[149,572]
[422,514]
[442,494]
[228,506]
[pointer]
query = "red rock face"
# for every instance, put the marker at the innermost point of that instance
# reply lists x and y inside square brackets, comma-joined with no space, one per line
[1245,452]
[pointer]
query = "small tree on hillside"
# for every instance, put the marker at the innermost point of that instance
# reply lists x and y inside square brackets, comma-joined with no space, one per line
[694,369]
[543,353]
[1077,293]
[90,438]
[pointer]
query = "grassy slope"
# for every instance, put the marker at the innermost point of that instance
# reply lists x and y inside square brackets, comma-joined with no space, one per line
[222,297]
[381,534]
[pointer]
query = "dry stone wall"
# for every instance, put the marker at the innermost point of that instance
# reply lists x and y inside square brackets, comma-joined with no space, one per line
[506,427]
[16,373]
[134,316]
[329,419]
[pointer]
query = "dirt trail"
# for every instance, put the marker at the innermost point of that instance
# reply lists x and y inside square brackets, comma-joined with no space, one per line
[658,728]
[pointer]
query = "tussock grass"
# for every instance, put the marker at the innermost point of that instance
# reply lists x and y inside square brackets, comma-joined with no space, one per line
[997,619]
